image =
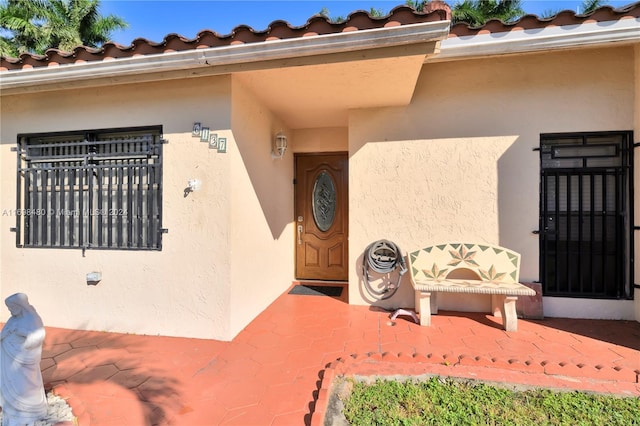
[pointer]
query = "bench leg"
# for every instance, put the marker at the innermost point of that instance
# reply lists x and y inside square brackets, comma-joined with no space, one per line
[423,307]
[497,305]
[434,303]
[509,316]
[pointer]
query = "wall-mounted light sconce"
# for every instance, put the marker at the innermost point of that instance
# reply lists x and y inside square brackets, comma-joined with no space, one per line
[279,145]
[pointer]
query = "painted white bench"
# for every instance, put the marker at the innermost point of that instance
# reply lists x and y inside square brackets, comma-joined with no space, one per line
[467,268]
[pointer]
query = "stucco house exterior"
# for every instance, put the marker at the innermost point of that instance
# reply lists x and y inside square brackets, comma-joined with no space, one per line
[141,190]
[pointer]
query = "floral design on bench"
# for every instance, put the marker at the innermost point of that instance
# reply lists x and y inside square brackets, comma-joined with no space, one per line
[491,275]
[462,255]
[436,274]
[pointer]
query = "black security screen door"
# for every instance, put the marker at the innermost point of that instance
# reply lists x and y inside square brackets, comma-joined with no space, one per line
[586,214]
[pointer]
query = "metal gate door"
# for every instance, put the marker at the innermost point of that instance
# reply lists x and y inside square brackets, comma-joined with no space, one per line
[586,214]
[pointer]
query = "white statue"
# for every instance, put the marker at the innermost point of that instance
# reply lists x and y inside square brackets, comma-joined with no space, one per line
[22,394]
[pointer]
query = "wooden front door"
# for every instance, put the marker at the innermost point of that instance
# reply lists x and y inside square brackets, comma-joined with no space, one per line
[321,216]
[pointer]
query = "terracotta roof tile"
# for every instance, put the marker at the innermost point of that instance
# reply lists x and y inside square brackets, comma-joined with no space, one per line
[567,17]
[316,25]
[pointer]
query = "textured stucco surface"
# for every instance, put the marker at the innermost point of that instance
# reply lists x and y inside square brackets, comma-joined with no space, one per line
[261,210]
[177,291]
[462,153]
[326,139]
[636,130]
[199,285]
[456,164]
[424,192]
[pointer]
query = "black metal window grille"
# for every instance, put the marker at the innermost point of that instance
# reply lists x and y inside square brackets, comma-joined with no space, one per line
[90,190]
[586,214]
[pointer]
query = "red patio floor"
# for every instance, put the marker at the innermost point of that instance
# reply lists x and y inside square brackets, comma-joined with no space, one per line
[278,370]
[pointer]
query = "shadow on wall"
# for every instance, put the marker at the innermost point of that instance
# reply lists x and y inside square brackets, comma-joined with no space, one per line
[493,202]
[271,180]
[379,282]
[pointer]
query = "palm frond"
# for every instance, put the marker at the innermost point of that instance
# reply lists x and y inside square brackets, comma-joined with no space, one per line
[38,25]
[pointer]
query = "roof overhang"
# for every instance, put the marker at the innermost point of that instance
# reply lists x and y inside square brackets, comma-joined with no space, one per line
[350,46]
[310,81]
[321,95]
[313,81]
[589,34]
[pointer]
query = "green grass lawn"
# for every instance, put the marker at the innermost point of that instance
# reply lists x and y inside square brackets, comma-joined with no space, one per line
[438,401]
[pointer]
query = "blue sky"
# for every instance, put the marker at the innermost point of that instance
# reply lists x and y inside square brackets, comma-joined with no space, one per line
[153,19]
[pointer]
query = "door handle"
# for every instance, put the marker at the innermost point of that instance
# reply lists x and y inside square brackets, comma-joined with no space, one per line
[299,233]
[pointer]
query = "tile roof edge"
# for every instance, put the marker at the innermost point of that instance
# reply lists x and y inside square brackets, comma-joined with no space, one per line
[315,25]
[562,18]
[278,29]
[550,38]
[213,61]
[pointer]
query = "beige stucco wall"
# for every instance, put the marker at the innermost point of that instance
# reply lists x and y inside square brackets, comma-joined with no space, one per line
[185,289]
[261,238]
[463,153]
[327,139]
[456,164]
[636,130]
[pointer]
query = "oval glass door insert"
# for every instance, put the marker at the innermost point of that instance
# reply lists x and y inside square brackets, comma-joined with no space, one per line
[324,201]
